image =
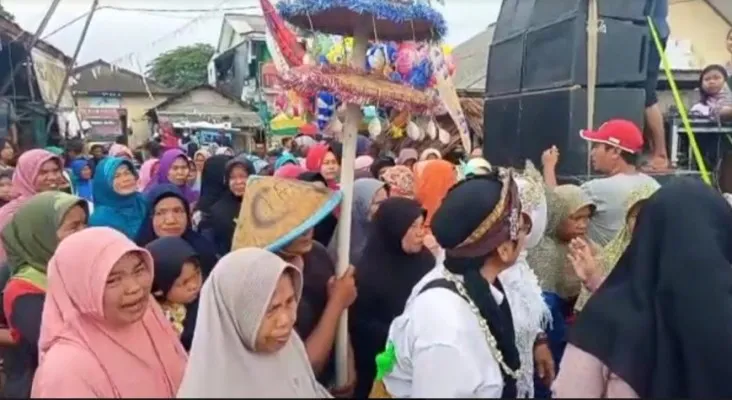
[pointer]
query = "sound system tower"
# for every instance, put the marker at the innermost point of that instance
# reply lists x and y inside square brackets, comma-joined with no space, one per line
[536,80]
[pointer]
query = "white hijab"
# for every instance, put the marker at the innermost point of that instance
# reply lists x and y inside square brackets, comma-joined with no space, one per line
[530,313]
[222,362]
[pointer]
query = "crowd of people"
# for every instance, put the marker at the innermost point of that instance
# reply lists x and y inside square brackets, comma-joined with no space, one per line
[206,273]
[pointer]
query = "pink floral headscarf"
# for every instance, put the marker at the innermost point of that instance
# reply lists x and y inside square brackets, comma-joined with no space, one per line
[146,174]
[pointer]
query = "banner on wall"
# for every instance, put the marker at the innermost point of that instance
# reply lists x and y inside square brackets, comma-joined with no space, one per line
[104,122]
[50,73]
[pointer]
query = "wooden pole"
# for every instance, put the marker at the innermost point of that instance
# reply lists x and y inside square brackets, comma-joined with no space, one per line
[350,133]
[70,68]
[31,44]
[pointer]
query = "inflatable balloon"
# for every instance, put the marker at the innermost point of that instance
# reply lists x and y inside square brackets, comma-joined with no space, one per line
[446,49]
[406,59]
[376,58]
[340,52]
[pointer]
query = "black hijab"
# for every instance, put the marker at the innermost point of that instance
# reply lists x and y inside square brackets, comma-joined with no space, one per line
[224,212]
[213,181]
[469,205]
[323,231]
[205,250]
[379,164]
[662,319]
[385,276]
[169,254]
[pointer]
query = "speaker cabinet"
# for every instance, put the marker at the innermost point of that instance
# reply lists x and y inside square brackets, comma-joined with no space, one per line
[504,73]
[501,130]
[513,19]
[556,55]
[521,126]
[547,12]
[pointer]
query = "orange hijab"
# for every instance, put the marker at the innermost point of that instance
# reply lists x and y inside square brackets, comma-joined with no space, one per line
[433,179]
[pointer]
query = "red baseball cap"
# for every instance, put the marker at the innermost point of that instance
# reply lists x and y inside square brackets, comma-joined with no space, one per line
[619,133]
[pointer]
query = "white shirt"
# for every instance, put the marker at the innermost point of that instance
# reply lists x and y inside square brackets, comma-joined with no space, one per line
[440,347]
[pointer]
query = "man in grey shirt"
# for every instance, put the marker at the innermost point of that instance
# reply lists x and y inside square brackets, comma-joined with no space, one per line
[616,146]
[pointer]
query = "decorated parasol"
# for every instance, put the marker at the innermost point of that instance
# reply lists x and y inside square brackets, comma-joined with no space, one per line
[398,20]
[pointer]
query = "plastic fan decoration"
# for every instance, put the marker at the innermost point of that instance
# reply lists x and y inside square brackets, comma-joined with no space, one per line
[287,42]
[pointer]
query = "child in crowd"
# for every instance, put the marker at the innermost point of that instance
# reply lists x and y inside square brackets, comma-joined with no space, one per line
[715,97]
[177,279]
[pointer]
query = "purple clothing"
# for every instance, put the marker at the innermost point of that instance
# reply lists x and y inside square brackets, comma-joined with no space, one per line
[166,162]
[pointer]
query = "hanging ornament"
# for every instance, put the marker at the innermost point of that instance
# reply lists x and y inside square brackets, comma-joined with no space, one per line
[431,130]
[413,131]
[444,136]
[374,127]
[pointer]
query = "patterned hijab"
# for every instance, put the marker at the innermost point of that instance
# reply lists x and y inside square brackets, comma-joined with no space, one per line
[611,253]
[549,258]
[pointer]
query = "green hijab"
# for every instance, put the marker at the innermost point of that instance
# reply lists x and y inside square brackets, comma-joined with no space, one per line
[30,239]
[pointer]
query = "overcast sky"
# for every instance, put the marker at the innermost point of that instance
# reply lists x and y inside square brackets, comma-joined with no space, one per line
[128,37]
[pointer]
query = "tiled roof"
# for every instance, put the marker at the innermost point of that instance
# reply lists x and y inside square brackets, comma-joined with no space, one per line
[471,60]
[100,76]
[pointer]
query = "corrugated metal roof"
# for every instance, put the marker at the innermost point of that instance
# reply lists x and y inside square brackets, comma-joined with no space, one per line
[471,60]
[100,76]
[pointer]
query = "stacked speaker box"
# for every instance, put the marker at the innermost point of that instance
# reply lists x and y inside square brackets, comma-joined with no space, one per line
[536,80]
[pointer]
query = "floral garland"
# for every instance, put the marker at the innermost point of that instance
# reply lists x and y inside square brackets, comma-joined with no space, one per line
[416,13]
[353,86]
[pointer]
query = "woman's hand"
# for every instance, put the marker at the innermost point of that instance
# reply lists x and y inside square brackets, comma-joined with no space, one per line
[583,260]
[431,243]
[343,290]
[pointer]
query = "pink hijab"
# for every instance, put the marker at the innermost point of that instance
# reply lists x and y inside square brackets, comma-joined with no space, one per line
[23,185]
[120,150]
[79,354]
[289,171]
[146,175]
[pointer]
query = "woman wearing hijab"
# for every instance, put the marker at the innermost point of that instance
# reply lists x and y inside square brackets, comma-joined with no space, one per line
[394,249]
[219,221]
[380,165]
[325,229]
[658,325]
[569,212]
[30,240]
[285,159]
[407,157]
[103,334]
[122,151]
[531,315]
[212,187]
[289,171]
[199,158]
[432,184]
[37,171]
[148,170]
[245,344]
[174,169]
[592,269]
[117,203]
[430,154]
[455,338]
[177,281]
[368,194]
[169,216]
[290,235]
[81,178]
[326,159]
[400,180]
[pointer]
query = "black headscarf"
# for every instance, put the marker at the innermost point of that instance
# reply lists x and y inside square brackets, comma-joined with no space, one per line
[379,164]
[323,231]
[146,234]
[169,254]
[385,276]
[223,213]
[213,181]
[662,319]
[467,207]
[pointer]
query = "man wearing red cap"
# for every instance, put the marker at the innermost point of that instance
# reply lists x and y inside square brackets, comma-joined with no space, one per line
[616,146]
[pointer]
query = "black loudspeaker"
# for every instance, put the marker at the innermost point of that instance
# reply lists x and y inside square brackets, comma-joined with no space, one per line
[552,117]
[547,12]
[501,130]
[504,66]
[513,18]
[556,55]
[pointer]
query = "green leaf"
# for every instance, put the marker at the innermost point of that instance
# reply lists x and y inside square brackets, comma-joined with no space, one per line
[183,67]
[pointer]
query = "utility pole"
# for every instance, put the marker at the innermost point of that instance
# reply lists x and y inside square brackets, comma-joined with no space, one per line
[31,44]
[70,68]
